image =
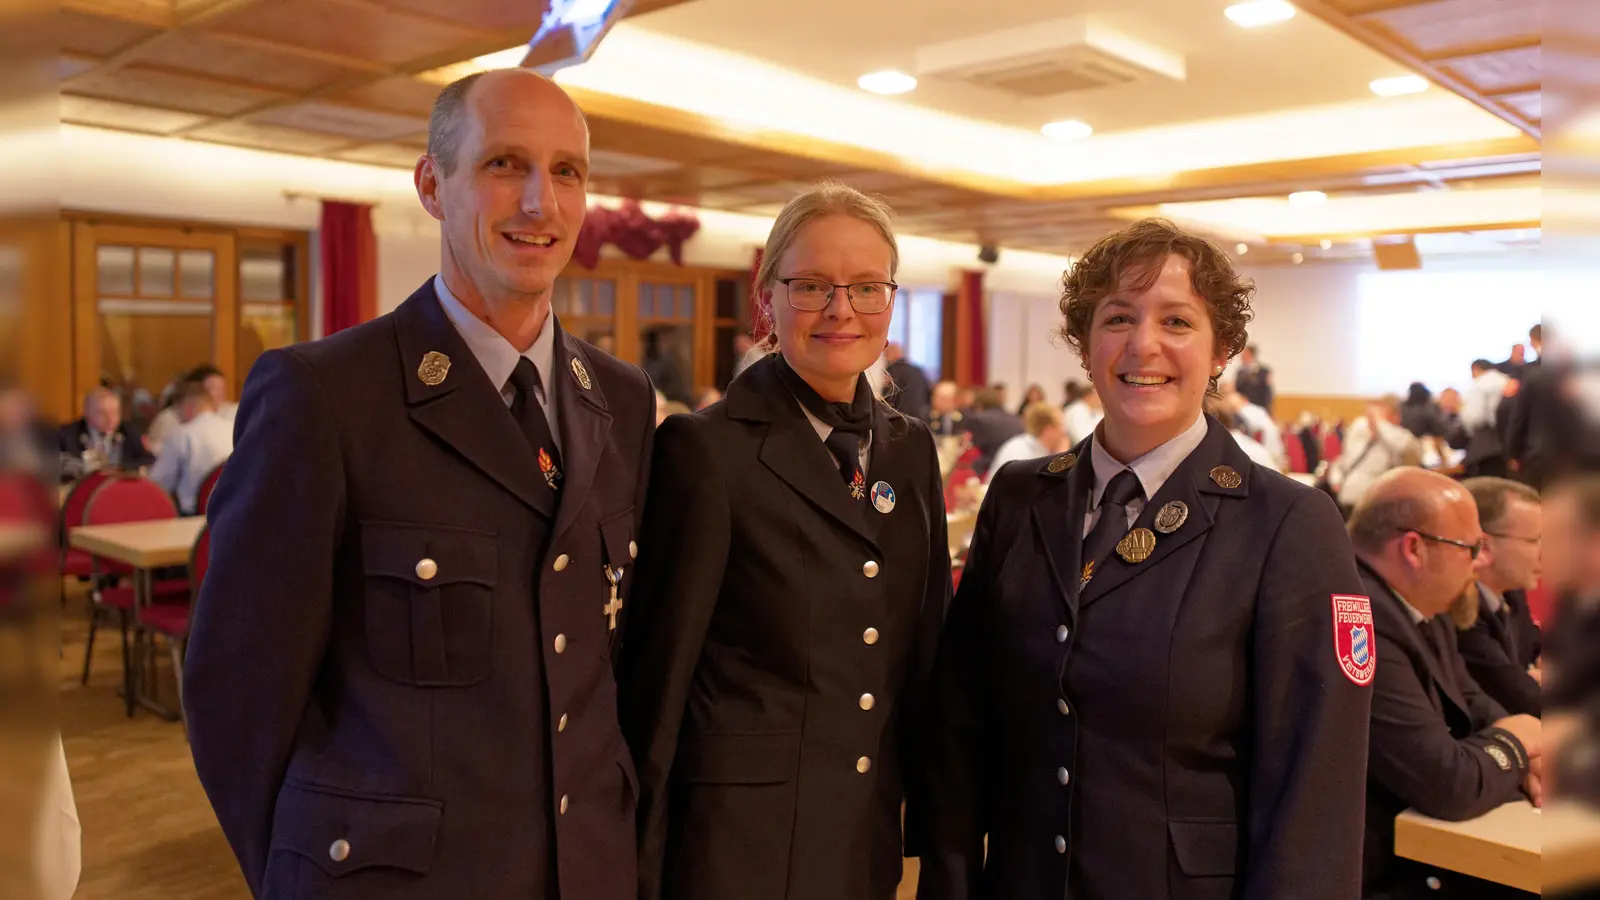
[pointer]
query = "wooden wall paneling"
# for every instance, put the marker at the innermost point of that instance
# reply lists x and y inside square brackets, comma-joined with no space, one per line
[85,317]
[225,312]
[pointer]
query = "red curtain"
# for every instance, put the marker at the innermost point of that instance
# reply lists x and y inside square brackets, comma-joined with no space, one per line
[349,265]
[977,346]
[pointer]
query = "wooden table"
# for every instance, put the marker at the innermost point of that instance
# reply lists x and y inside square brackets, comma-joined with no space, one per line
[146,546]
[143,545]
[1571,847]
[1503,845]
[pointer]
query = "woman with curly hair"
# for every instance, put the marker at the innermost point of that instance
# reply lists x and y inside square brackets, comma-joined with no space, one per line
[1153,681]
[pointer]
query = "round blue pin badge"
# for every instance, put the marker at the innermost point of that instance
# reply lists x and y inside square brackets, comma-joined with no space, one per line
[883,497]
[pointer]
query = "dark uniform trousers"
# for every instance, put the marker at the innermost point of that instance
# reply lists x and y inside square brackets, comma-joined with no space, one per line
[1499,648]
[399,680]
[1433,749]
[774,679]
[1179,727]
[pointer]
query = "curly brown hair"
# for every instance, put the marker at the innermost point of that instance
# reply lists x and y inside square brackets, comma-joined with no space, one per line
[1138,252]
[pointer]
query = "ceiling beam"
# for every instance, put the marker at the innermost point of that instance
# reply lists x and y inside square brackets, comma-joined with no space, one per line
[1483,48]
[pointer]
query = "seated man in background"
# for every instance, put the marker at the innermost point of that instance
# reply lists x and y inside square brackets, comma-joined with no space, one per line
[1502,646]
[200,443]
[945,417]
[1043,436]
[101,439]
[990,425]
[1373,444]
[1437,743]
[1082,413]
[1255,421]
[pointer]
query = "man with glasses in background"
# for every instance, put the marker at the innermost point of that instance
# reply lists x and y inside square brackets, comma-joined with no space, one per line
[1502,646]
[1438,743]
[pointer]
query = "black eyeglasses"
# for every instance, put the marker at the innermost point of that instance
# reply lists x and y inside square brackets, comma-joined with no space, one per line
[1473,549]
[812,295]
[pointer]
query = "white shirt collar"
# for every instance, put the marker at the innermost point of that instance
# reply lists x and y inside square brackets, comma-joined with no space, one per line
[1491,597]
[1153,469]
[1416,614]
[493,352]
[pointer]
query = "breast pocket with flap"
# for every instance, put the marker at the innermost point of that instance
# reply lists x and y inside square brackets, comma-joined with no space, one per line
[429,593]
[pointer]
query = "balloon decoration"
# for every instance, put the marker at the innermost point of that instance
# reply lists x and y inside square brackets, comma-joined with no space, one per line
[632,231]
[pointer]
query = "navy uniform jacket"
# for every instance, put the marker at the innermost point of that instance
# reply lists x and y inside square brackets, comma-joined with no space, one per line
[775,676]
[398,681]
[1433,745]
[1181,728]
[1498,650]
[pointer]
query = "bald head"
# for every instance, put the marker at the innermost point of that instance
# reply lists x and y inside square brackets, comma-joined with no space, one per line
[1417,528]
[452,107]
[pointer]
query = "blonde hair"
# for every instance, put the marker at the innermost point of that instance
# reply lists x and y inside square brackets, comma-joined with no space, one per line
[821,199]
[1039,416]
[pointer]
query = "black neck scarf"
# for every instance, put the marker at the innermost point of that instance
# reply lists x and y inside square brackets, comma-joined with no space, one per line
[850,422]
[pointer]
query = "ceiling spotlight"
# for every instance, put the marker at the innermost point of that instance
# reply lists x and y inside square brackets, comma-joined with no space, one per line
[1298,258]
[1242,249]
[1257,13]
[887,82]
[1069,130]
[1327,244]
[1398,87]
[1308,198]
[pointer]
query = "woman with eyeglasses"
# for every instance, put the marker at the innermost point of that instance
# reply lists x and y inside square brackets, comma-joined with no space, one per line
[792,576]
[1154,680]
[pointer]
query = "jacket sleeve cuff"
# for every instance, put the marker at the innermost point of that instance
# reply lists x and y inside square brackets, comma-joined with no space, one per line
[1502,744]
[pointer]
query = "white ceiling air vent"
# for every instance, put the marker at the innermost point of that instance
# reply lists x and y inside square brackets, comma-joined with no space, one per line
[1047,59]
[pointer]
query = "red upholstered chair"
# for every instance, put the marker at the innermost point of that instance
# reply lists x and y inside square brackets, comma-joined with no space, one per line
[1296,451]
[127,499]
[76,563]
[171,620]
[202,498]
[24,504]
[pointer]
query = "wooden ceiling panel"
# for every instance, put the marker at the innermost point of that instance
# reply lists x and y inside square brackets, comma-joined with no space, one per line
[136,84]
[347,29]
[88,35]
[626,137]
[267,137]
[1447,25]
[1511,70]
[124,116]
[207,55]
[392,155]
[1530,104]
[347,121]
[486,15]
[68,66]
[399,94]
[150,13]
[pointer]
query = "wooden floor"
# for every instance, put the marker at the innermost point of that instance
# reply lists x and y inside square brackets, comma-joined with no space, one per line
[148,831]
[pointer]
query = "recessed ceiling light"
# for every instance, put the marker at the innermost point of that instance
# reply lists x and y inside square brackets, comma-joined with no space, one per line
[1327,244]
[1308,198]
[1069,130]
[1242,249]
[887,82]
[1298,258]
[1257,13]
[1397,87]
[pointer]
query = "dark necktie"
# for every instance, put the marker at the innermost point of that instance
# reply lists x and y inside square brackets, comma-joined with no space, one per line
[846,449]
[529,413]
[1112,525]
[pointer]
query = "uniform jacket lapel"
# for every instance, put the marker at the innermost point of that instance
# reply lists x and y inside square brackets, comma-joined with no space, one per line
[1391,617]
[890,459]
[464,410]
[1058,511]
[585,424]
[792,449]
[1191,484]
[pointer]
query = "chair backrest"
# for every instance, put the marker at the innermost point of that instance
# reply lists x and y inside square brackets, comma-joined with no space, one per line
[131,498]
[77,502]
[202,499]
[23,499]
[199,561]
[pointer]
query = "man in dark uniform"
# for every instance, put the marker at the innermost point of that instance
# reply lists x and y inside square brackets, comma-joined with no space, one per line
[1502,646]
[399,681]
[990,425]
[911,395]
[101,438]
[945,418]
[1438,744]
[1254,380]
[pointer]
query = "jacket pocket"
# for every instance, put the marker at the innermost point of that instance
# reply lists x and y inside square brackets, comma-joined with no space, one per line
[344,832]
[429,593]
[1205,849]
[739,759]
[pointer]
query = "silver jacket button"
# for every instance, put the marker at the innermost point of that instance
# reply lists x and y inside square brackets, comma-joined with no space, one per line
[426,569]
[339,850]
